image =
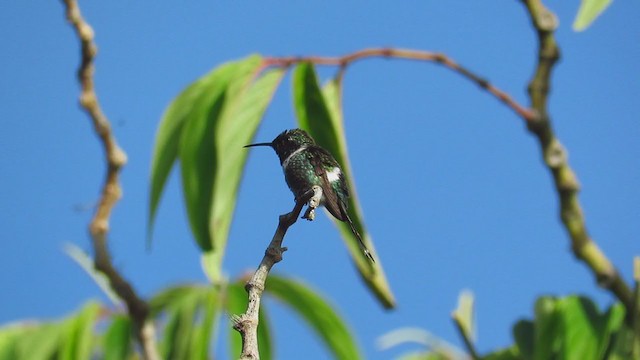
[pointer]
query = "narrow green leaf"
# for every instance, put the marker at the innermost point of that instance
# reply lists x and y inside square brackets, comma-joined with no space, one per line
[608,324]
[10,335]
[203,332]
[79,333]
[622,345]
[190,312]
[197,149]
[410,335]
[117,339]
[588,12]
[510,353]
[523,334]
[463,317]
[205,128]
[165,151]
[235,128]
[236,304]
[587,332]
[319,113]
[178,332]
[41,343]
[317,313]
[548,328]
[168,296]
[86,263]
[425,355]
[579,336]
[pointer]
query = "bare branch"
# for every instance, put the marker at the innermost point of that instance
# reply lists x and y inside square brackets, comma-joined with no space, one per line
[418,55]
[556,160]
[111,190]
[247,323]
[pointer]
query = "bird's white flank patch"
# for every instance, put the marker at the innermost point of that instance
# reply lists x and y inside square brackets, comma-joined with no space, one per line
[285,163]
[334,174]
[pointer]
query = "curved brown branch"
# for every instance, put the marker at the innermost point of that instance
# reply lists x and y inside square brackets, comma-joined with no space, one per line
[247,323]
[556,160]
[111,191]
[408,54]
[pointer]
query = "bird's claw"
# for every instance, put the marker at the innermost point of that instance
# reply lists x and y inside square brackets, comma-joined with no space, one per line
[313,203]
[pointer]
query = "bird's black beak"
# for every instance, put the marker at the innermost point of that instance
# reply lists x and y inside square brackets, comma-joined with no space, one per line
[259,144]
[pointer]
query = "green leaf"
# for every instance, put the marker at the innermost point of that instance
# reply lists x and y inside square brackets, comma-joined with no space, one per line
[463,316]
[425,355]
[198,149]
[10,335]
[168,296]
[587,332]
[79,335]
[86,263]
[319,113]
[191,311]
[117,339]
[203,332]
[510,353]
[588,12]
[523,334]
[205,128]
[237,304]
[548,328]
[165,151]
[181,314]
[317,313]
[41,343]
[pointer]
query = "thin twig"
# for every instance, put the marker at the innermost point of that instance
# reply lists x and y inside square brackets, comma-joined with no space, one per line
[247,323]
[408,54]
[111,190]
[556,160]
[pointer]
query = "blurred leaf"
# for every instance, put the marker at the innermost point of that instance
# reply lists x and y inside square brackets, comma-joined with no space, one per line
[117,339]
[548,327]
[424,355]
[77,341]
[181,313]
[408,335]
[523,333]
[319,113]
[86,263]
[622,345]
[203,335]
[510,353]
[205,127]
[167,297]
[318,314]
[191,311]
[9,336]
[589,11]
[237,304]
[586,332]
[463,316]
[568,328]
[41,343]
[404,336]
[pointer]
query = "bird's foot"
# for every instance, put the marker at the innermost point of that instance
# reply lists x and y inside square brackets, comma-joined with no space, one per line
[313,203]
[310,214]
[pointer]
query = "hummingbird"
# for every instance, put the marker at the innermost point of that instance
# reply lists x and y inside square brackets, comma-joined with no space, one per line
[307,166]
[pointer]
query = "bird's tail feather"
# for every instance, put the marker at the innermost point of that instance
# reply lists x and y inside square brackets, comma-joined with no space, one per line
[363,247]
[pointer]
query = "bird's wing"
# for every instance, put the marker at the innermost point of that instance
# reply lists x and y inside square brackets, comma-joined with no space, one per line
[336,207]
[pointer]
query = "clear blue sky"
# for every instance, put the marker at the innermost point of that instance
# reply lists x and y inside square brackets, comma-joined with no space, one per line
[451,183]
